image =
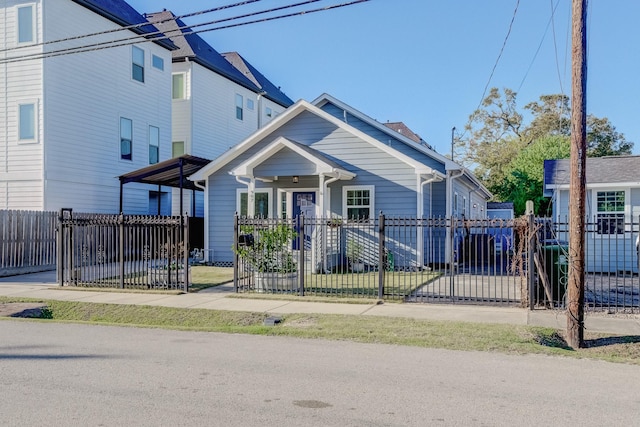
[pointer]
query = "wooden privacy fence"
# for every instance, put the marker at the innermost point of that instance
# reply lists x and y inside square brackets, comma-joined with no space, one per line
[123,251]
[27,241]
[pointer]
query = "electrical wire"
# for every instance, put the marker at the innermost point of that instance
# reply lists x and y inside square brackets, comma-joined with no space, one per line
[134,26]
[111,44]
[152,36]
[504,43]
[535,55]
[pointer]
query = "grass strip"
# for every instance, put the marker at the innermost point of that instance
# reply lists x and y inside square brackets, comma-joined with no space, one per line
[507,339]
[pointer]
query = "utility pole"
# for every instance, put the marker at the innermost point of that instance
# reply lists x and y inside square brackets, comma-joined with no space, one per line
[453,139]
[578,181]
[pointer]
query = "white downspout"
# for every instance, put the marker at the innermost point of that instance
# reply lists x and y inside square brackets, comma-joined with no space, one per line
[326,212]
[449,211]
[420,213]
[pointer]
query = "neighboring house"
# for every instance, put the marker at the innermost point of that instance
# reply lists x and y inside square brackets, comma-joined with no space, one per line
[74,122]
[327,159]
[612,208]
[218,99]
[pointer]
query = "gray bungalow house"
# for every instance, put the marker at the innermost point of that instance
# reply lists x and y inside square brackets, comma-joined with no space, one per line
[327,159]
[612,209]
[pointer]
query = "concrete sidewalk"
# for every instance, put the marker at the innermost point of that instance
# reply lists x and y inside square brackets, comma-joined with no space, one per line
[43,286]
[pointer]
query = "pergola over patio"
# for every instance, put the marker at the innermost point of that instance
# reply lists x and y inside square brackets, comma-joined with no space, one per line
[169,173]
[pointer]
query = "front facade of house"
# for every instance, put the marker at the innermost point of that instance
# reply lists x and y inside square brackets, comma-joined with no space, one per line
[612,209]
[74,122]
[217,99]
[326,159]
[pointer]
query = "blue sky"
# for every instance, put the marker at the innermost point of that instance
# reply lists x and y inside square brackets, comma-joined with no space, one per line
[427,62]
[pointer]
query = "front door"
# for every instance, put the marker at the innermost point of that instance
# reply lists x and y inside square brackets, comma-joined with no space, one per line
[304,202]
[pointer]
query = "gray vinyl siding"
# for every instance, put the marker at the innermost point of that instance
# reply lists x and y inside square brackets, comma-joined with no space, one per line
[385,138]
[285,160]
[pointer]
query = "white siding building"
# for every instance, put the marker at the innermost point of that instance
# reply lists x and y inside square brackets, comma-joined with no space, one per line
[72,122]
[218,99]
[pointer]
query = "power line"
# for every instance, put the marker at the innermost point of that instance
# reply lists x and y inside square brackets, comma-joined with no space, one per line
[148,36]
[504,43]
[535,55]
[134,26]
[111,44]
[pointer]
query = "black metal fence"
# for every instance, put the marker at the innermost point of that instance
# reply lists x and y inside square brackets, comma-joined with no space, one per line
[122,251]
[523,261]
[404,258]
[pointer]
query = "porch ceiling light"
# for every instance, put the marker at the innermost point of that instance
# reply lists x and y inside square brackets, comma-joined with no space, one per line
[295,179]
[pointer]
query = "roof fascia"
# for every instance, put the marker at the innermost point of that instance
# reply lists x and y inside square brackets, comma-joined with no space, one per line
[287,116]
[326,98]
[322,167]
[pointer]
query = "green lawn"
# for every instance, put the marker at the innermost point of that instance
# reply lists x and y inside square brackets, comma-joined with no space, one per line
[366,329]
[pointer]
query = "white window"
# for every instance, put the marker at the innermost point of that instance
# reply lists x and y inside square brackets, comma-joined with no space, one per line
[177,148]
[178,87]
[126,138]
[137,65]
[154,145]
[27,122]
[261,203]
[157,62]
[610,206]
[249,104]
[239,107]
[269,112]
[358,201]
[26,27]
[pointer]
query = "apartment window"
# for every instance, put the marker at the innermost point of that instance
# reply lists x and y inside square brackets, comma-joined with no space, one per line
[239,107]
[26,28]
[27,122]
[269,112]
[178,88]
[157,62]
[249,104]
[610,207]
[261,203]
[126,138]
[154,145]
[358,201]
[177,148]
[137,66]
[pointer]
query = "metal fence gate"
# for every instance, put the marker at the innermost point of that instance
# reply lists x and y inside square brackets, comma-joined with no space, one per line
[401,258]
[122,251]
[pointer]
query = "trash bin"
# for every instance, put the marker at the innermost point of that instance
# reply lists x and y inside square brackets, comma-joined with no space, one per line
[556,265]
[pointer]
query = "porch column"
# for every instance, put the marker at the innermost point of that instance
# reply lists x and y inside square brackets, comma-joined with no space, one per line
[419,215]
[251,198]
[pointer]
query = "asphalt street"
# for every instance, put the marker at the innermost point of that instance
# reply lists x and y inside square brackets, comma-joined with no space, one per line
[88,375]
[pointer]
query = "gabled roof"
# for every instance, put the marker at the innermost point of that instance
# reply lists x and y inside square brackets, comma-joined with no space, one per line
[194,48]
[600,171]
[289,114]
[120,12]
[326,98]
[403,129]
[324,165]
[450,165]
[271,91]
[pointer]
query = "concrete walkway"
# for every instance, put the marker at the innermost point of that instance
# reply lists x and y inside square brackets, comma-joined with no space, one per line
[43,286]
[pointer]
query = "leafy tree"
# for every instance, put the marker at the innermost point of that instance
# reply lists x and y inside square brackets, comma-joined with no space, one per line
[507,154]
[524,180]
[604,140]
